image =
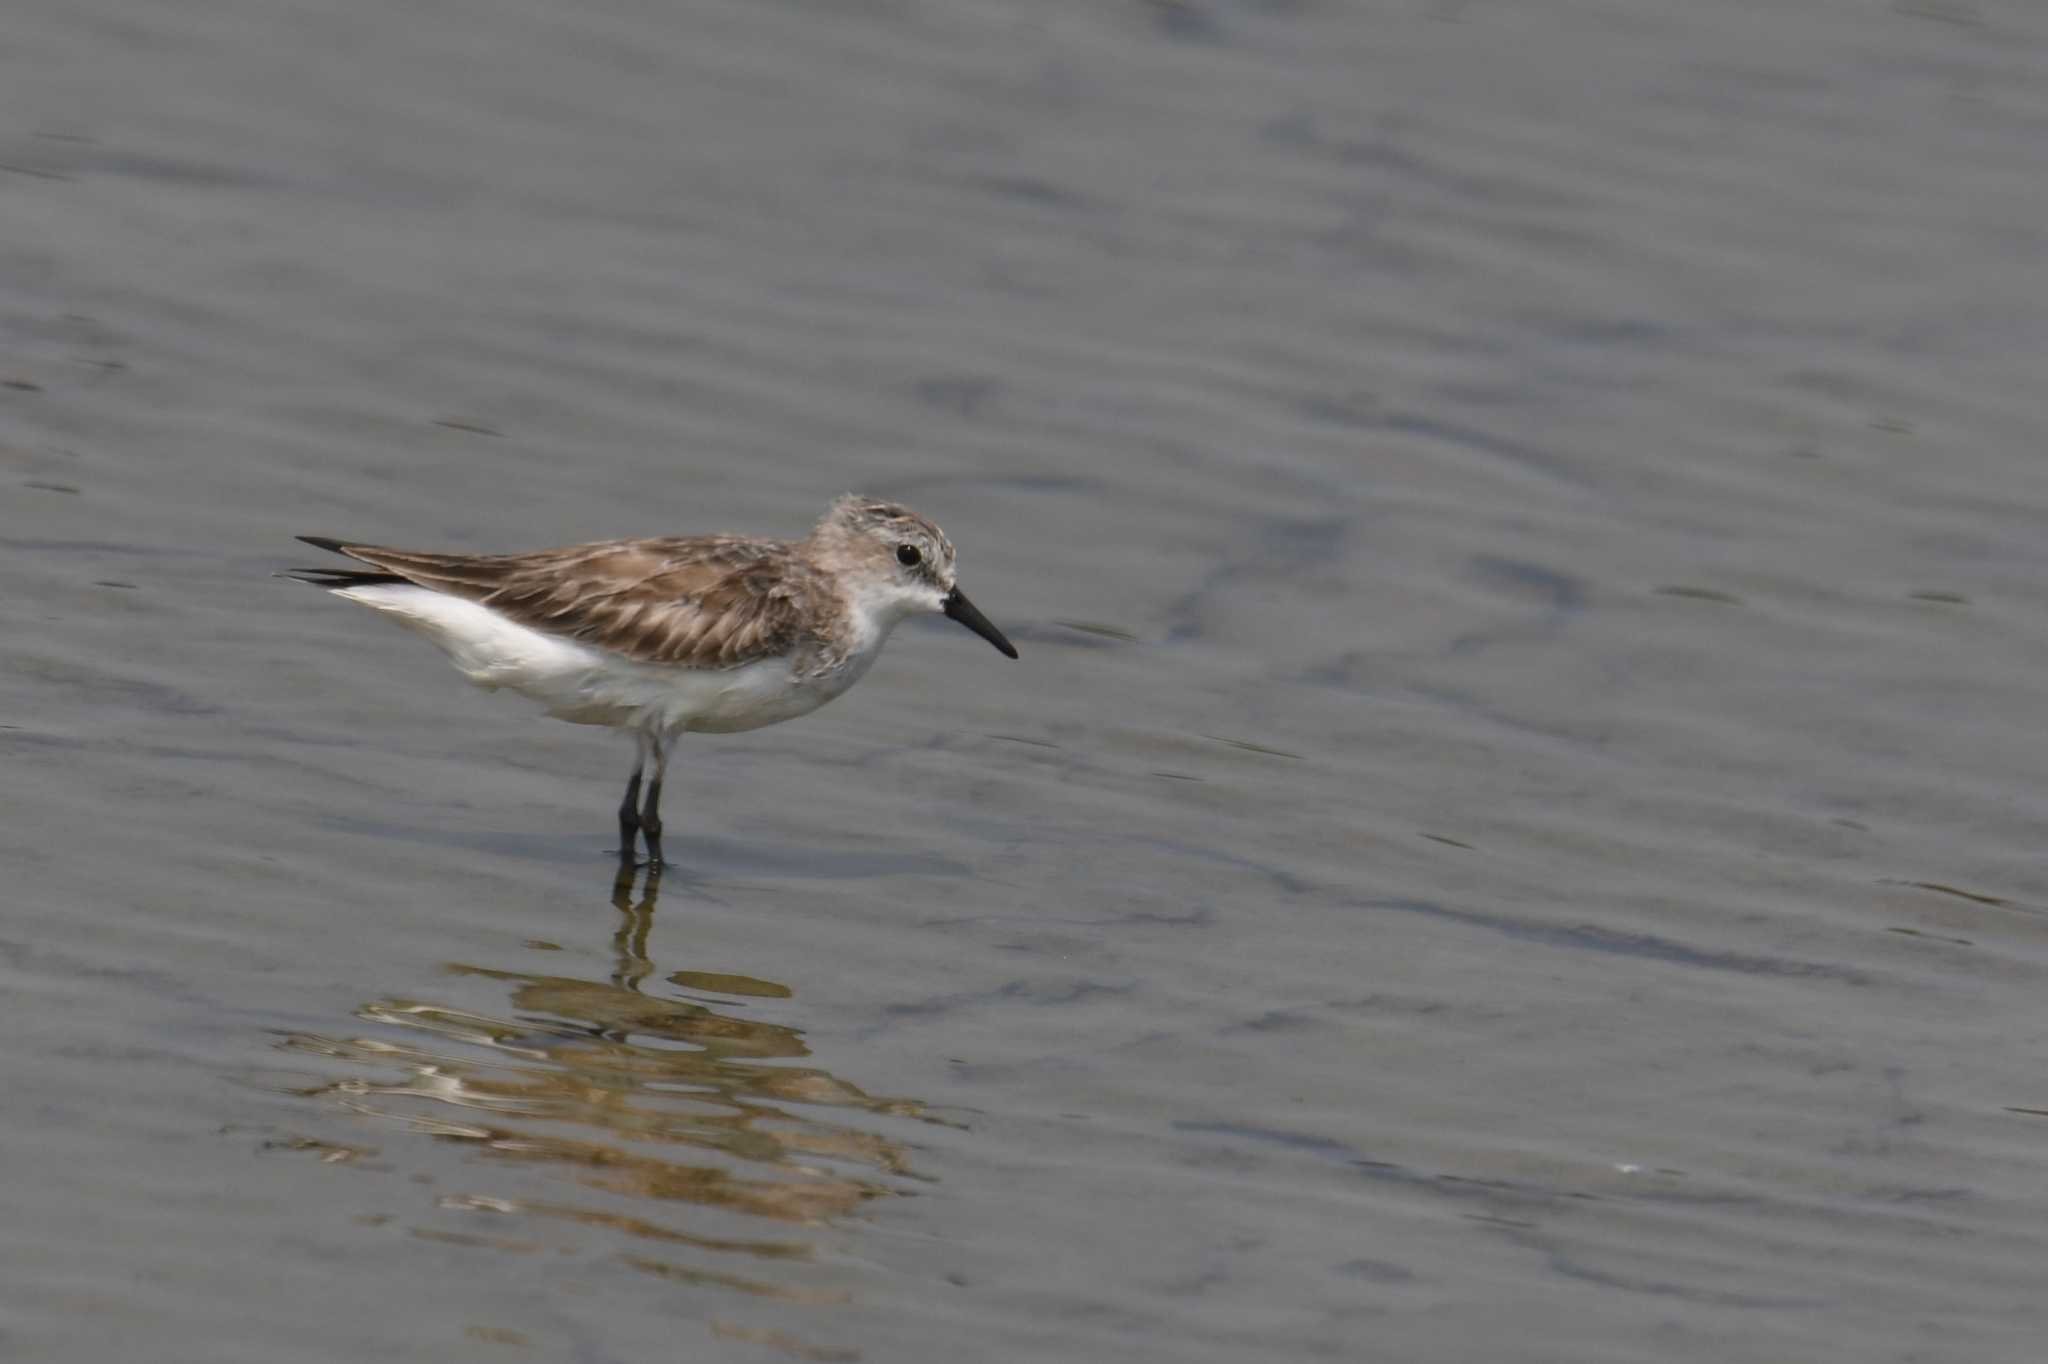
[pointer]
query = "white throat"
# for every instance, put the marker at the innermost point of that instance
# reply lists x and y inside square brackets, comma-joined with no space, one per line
[878,608]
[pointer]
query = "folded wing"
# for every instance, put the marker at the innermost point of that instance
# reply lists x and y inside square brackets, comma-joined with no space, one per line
[702,602]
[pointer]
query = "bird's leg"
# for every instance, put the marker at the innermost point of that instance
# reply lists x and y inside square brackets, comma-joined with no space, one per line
[629,811]
[650,813]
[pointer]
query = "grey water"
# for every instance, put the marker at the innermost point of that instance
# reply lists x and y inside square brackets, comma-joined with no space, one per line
[1518,831]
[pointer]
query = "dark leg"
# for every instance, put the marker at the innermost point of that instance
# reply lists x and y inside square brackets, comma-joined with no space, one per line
[650,813]
[650,825]
[629,815]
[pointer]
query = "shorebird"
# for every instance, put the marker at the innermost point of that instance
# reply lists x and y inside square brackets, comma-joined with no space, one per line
[707,634]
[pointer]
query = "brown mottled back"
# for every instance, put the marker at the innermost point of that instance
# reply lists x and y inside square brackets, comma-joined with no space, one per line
[713,601]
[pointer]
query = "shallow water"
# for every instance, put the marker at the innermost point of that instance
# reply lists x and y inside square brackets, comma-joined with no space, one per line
[1516,832]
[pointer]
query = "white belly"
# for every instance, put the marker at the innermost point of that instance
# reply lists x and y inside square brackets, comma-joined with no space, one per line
[593,686]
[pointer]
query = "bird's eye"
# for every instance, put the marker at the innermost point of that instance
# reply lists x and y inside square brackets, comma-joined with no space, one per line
[908,555]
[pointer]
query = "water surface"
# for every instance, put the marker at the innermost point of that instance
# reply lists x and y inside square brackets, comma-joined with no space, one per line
[1516,832]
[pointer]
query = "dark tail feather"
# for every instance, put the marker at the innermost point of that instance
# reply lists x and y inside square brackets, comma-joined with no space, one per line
[340,577]
[337,577]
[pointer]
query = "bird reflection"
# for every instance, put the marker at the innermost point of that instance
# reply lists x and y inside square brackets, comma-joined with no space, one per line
[629,944]
[661,1096]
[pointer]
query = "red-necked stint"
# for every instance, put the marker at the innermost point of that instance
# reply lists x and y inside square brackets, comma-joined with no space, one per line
[711,633]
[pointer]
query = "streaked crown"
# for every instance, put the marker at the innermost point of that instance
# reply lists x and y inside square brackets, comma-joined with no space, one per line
[872,530]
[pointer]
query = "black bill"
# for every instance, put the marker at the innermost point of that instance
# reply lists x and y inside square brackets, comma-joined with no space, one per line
[964,611]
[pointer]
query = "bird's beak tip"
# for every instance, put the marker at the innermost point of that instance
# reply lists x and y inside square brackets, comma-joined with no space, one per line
[960,609]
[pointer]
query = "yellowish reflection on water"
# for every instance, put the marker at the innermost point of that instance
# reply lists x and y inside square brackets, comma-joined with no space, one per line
[661,1102]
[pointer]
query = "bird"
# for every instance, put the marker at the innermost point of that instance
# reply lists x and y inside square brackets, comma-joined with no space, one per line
[667,636]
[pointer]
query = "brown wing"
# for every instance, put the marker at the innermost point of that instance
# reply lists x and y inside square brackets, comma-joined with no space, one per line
[706,602]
